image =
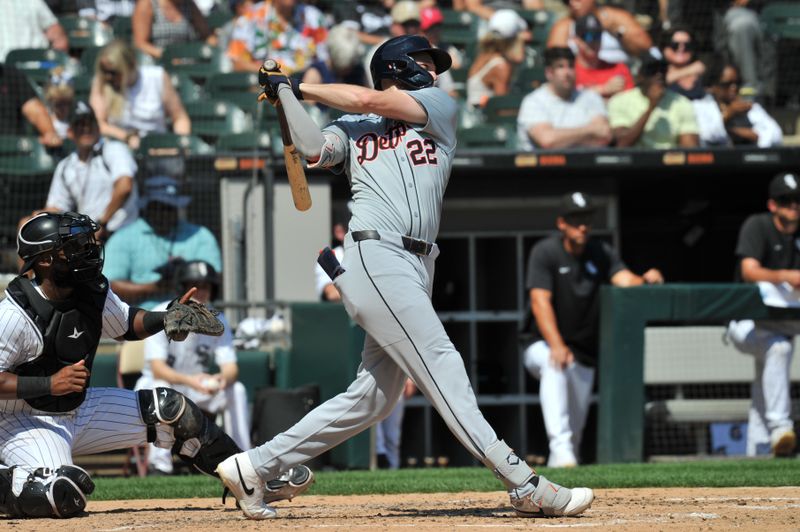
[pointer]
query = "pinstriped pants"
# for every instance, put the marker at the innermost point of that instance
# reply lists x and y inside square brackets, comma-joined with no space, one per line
[108,419]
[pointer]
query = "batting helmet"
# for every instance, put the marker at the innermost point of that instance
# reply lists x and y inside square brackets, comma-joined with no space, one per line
[196,271]
[71,232]
[394,60]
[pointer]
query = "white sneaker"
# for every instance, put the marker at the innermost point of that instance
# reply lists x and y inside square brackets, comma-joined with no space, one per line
[289,485]
[548,499]
[784,442]
[239,476]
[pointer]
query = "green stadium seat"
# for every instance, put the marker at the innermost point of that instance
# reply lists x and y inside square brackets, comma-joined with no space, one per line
[212,118]
[239,88]
[187,89]
[527,79]
[460,29]
[503,109]
[782,19]
[244,143]
[83,33]
[123,28]
[218,18]
[37,63]
[459,19]
[539,23]
[169,144]
[24,156]
[89,58]
[82,84]
[487,137]
[195,59]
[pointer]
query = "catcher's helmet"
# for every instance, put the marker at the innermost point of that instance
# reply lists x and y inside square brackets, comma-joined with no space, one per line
[394,60]
[70,231]
[199,271]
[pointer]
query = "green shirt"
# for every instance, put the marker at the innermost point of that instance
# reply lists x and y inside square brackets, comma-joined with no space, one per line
[674,116]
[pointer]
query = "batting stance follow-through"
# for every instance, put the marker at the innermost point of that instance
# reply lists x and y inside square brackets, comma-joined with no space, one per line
[50,328]
[397,153]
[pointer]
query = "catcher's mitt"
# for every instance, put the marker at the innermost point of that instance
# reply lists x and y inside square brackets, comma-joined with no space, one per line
[191,316]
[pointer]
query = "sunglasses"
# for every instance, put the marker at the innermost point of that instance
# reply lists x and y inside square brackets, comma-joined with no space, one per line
[677,45]
[728,84]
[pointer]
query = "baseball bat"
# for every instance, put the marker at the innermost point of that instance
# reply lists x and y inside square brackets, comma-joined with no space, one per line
[294,164]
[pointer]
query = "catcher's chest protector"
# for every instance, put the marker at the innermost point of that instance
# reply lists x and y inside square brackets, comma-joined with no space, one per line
[70,332]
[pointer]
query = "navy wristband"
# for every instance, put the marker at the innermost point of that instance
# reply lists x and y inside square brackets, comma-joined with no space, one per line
[30,387]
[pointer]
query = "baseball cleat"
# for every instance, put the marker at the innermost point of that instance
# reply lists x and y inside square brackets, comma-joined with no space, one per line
[289,485]
[239,476]
[784,443]
[548,499]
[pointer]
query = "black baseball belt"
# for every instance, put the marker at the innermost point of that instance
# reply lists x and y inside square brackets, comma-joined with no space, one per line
[414,245]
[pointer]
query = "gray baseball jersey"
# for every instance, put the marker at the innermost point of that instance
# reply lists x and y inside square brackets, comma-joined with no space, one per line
[398,173]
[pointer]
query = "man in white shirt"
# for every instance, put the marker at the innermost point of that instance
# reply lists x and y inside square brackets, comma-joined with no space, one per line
[557,115]
[29,24]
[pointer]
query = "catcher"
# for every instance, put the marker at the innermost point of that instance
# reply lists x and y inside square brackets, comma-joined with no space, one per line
[51,326]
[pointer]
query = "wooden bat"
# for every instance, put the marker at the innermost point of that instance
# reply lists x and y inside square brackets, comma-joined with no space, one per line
[294,163]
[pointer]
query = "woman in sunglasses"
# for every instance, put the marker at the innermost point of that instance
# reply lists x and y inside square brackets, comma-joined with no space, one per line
[725,117]
[684,70]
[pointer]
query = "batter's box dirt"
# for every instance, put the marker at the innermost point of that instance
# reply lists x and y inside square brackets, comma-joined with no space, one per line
[628,509]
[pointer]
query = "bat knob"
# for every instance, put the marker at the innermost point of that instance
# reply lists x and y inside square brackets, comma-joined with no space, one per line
[270,65]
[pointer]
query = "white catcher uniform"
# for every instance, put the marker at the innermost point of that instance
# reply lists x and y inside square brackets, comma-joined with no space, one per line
[398,173]
[191,357]
[108,419]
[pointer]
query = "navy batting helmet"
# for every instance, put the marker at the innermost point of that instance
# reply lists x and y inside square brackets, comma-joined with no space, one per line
[71,232]
[196,271]
[394,60]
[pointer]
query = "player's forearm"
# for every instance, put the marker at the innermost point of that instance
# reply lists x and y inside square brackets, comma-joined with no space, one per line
[348,98]
[628,136]
[546,323]
[554,138]
[305,132]
[755,274]
[8,385]
[162,371]
[229,372]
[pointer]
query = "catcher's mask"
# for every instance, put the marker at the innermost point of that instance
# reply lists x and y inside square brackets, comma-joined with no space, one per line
[394,60]
[70,232]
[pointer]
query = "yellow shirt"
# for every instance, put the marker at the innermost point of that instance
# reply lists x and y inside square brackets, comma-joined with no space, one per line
[674,116]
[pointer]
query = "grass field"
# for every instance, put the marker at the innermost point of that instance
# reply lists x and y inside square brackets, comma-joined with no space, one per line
[712,473]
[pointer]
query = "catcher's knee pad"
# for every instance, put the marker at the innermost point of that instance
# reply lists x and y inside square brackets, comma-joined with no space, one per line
[197,439]
[43,493]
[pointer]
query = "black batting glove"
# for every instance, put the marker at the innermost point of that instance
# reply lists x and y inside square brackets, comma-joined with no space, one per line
[271,81]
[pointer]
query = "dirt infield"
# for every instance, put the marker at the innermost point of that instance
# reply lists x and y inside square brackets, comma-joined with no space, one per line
[629,509]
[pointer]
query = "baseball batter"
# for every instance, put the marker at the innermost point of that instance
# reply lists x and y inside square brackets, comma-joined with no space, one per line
[50,328]
[397,153]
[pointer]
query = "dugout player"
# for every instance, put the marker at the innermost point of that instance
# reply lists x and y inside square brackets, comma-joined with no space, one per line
[396,150]
[50,328]
[565,272]
[768,250]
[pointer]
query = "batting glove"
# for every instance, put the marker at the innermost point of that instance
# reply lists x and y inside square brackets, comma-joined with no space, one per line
[271,81]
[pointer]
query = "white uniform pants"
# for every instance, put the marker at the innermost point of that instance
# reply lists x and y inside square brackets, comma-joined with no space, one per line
[565,396]
[772,345]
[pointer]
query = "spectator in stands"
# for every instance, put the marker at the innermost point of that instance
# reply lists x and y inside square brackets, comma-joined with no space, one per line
[20,104]
[767,255]
[29,24]
[143,257]
[565,272]
[371,19]
[725,118]
[131,100]
[684,70]
[607,79]
[431,19]
[187,367]
[622,35]
[97,179]
[650,115]
[485,9]
[500,50]
[557,115]
[291,32]
[159,23]
[343,64]
[60,99]
[105,10]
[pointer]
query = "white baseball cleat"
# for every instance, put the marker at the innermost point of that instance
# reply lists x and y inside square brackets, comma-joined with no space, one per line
[289,485]
[239,476]
[548,499]
[784,442]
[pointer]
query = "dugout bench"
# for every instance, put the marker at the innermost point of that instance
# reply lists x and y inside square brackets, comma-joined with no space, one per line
[625,313]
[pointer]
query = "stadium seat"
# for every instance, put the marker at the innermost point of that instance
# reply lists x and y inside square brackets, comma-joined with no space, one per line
[460,29]
[123,29]
[83,33]
[82,84]
[23,156]
[503,109]
[782,19]
[539,23]
[487,136]
[218,18]
[36,63]
[89,58]
[212,118]
[239,88]
[187,89]
[244,143]
[527,79]
[170,145]
[195,59]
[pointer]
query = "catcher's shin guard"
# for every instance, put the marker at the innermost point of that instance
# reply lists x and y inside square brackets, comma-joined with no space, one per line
[198,440]
[43,493]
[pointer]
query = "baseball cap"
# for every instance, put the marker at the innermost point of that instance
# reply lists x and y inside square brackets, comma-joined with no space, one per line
[506,23]
[430,16]
[784,184]
[405,11]
[577,203]
[81,111]
[163,189]
[588,28]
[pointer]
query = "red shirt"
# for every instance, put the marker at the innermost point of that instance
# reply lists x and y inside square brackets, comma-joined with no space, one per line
[591,77]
